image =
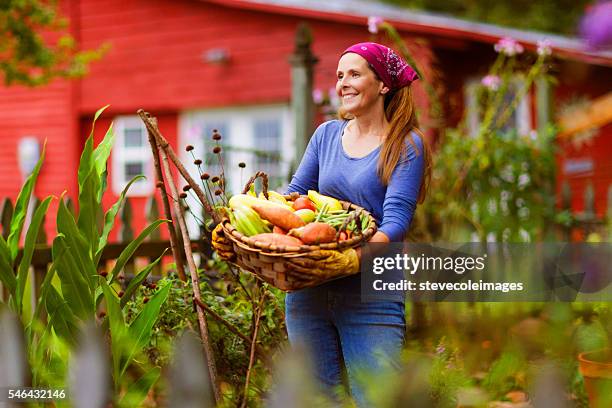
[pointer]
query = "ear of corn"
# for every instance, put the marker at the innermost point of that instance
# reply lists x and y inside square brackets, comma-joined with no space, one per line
[248,222]
[249,201]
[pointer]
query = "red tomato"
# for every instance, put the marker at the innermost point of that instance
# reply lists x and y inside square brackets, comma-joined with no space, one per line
[303,202]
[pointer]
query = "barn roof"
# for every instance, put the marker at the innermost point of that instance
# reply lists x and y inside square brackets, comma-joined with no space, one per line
[355,11]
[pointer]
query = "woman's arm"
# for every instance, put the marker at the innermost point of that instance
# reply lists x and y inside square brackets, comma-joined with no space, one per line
[402,195]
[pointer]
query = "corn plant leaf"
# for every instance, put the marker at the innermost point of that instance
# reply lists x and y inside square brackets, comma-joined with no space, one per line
[28,250]
[89,206]
[138,390]
[128,252]
[75,240]
[117,327]
[44,287]
[138,279]
[7,275]
[75,290]
[100,158]
[109,220]
[21,207]
[61,317]
[141,328]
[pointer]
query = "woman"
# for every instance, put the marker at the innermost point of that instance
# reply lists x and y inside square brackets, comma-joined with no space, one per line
[375,157]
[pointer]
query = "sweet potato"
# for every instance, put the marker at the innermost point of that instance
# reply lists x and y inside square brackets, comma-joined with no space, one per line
[279,230]
[314,233]
[281,217]
[277,239]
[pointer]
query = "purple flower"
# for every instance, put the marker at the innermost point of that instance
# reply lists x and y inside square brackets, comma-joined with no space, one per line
[373,23]
[544,47]
[491,82]
[317,96]
[595,27]
[440,349]
[508,46]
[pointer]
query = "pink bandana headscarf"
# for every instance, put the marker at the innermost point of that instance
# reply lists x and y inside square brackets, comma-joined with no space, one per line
[393,71]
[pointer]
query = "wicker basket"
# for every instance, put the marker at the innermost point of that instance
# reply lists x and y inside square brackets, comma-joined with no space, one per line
[271,263]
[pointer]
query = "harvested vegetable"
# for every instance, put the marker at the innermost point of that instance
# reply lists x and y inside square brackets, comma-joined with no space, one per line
[277,239]
[314,233]
[281,217]
[320,200]
[249,201]
[306,215]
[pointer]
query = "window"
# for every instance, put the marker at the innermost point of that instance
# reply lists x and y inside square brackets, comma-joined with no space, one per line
[520,119]
[132,157]
[268,150]
[261,137]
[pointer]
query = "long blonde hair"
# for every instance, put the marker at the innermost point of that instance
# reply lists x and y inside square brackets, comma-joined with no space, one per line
[401,115]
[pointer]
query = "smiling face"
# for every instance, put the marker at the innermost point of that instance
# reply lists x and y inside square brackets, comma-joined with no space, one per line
[358,87]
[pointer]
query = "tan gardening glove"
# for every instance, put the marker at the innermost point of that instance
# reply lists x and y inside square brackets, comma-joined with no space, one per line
[328,263]
[222,245]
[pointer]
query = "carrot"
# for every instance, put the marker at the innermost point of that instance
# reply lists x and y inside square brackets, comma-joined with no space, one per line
[281,217]
[343,236]
[315,233]
[277,239]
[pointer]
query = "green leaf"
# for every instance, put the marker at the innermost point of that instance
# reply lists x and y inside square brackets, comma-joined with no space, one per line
[61,317]
[138,279]
[75,289]
[44,287]
[89,206]
[109,220]
[142,327]
[21,207]
[132,247]
[117,326]
[137,391]
[66,225]
[7,274]
[102,153]
[28,250]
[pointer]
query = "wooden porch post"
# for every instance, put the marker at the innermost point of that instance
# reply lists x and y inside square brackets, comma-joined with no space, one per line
[302,63]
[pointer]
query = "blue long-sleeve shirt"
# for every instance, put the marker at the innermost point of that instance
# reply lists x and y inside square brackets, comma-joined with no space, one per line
[328,169]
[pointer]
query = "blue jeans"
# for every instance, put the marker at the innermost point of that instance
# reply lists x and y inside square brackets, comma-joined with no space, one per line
[339,330]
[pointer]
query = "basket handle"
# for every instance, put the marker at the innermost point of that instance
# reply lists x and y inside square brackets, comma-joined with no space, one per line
[264,182]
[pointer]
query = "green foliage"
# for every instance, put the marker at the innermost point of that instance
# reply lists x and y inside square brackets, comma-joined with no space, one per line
[493,183]
[28,56]
[556,16]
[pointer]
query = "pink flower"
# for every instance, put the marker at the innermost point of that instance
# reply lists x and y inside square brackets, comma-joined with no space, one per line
[508,46]
[491,82]
[544,47]
[595,27]
[373,23]
[317,96]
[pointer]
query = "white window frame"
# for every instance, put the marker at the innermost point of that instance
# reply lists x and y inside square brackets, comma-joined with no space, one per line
[121,155]
[524,120]
[240,128]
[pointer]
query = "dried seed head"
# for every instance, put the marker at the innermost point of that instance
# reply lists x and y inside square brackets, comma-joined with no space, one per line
[121,293]
[183,195]
[205,176]
[216,136]
[186,187]
[104,274]
[197,162]
[153,286]
[217,192]
[189,148]
[214,179]
[242,165]
[145,300]
[217,149]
